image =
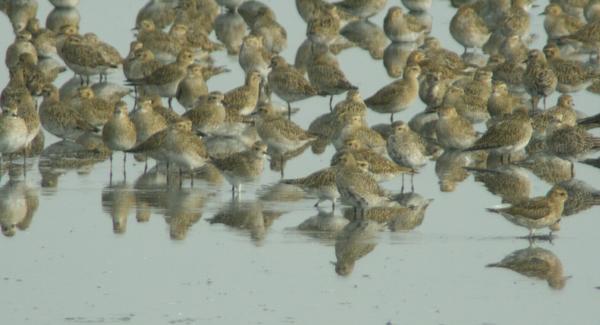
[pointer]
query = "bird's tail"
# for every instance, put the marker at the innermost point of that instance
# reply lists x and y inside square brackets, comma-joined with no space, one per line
[495,265]
[590,122]
[294,181]
[492,210]
[595,143]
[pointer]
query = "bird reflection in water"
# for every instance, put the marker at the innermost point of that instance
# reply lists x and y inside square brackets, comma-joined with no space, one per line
[117,201]
[535,262]
[181,207]
[249,216]
[325,225]
[64,156]
[18,204]
[355,240]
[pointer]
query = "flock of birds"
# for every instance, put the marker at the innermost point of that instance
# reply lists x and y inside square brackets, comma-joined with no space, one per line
[482,113]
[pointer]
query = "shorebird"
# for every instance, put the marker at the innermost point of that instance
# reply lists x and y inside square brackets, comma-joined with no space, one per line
[165,46]
[107,51]
[507,136]
[454,131]
[288,83]
[324,26]
[13,131]
[571,142]
[85,58]
[253,55]
[95,111]
[147,122]
[588,36]
[21,45]
[242,167]
[141,64]
[582,196]
[406,148]
[230,29]
[242,100]
[356,187]
[119,132]
[326,75]
[192,86]
[571,75]
[468,29]
[400,27]
[516,20]
[320,184]
[58,118]
[379,167]
[592,11]
[274,35]
[279,133]
[165,80]
[176,144]
[502,102]
[398,95]
[251,11]
[352,125]
[208,114]
[353,104]
[538,212]
[507,71]
[558,24]
[472,107]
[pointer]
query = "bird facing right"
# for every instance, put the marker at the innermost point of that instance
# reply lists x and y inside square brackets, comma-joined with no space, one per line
[538,212]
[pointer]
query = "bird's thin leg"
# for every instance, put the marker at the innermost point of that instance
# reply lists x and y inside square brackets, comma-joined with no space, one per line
[544,102]
[111,163]
[281,160]
[289,111]
[317,204]
[392,118]
[402,188]
[25,160]
[180,178]
[412,184]
[192,176]
[168,175]
[331,103]
[170,103]
[332,205]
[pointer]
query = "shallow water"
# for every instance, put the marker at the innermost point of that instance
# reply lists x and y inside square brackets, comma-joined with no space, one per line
[190,256]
